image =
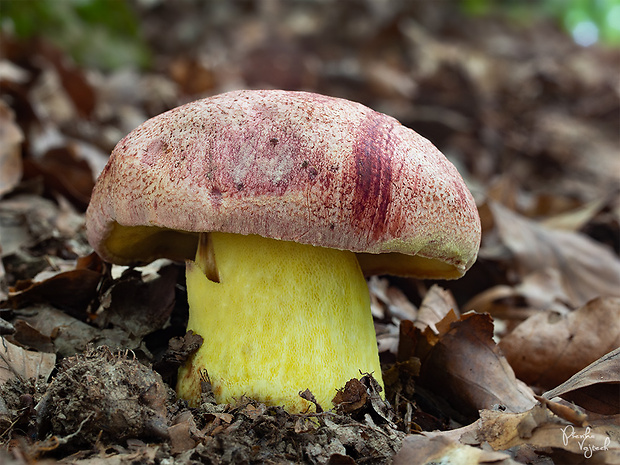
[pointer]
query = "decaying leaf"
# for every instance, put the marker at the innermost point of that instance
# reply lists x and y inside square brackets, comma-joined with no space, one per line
[72,290]
[32,227]
[65,172]
[521,437]
[465,367]
[353,397]
[540,429]
[595,388]
[387,300]
[587,268]
[576,219]
[179,350]
[141,300]
[30,337]
[421,449]
[11,138]
[71,336]
[547,348]
[569,413]
[307,395]
[437,303]
[180,434]
[18,362]
[361,398]
[539,290]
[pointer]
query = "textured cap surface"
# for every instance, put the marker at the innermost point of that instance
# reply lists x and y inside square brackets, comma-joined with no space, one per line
[287,165]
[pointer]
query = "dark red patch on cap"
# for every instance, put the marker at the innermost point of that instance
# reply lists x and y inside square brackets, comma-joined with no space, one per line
[373,182]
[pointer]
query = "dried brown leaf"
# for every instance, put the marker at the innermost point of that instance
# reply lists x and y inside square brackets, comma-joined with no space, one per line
[141,303]
[387,298]
[576,219]
[587,268]
[539,290]
[540,429]
[437,303]
[595,388]
[64,92]
[28,220]
[11,138]
[64,171]
[18,362]
[466,367]
[569,413]
[499,302]
[72,290]
[180,438]
[547,348]
[69,334]
[420,449]
[30,338]
[407,340]
[351,398]
[307,395]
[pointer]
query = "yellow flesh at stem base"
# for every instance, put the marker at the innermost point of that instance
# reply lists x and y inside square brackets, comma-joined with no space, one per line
[282,318]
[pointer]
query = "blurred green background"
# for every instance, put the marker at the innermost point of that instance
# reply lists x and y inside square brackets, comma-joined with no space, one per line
[106,33]
[587,21]
[96,33]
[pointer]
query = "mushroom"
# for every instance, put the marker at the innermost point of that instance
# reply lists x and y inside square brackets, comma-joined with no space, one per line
[284,200]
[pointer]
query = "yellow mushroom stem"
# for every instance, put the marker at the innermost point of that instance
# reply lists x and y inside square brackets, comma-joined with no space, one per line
[277,318]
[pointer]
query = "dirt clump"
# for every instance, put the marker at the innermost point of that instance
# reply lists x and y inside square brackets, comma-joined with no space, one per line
[107,396]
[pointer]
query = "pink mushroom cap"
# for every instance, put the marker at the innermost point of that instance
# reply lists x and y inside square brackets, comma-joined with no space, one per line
[294,166]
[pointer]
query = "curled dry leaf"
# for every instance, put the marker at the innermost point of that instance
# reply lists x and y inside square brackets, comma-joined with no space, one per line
[179,350]
[547,348]
[11,138]
[587,268]
[29,337]
[466,367]
[540,429]
[539,290]
[437,303]
[71,290]
[594,388]
[420,449]
[180,437]
[577,218]
[387,300]
[64,171]
[352,397]
[18,362]
[71,336]
[27,220]
[140,304]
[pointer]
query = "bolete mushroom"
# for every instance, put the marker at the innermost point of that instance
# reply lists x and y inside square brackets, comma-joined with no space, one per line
[284,199]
